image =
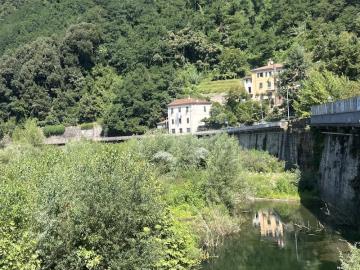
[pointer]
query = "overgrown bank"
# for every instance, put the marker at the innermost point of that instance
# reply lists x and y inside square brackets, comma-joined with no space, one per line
[159,203]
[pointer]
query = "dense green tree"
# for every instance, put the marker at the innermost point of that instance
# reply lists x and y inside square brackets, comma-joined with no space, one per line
[340,54]
[220,117]
[322,87]
[291,77]
[50,48]
[141,100]
[233,63]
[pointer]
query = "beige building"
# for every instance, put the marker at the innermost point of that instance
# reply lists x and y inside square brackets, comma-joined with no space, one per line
[262,84]
[187,115]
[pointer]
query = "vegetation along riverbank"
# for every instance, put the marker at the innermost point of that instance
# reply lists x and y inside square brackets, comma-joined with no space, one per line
[159,203]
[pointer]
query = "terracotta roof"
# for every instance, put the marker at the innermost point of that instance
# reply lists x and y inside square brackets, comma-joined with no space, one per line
[274,66]
[188,101]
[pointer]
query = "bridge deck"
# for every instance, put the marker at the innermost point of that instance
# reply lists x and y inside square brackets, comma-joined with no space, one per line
[233,130]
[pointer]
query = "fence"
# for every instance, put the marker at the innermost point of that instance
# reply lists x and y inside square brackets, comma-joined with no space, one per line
[341,106]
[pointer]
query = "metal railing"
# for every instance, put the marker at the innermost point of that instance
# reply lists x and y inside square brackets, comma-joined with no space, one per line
[341,106]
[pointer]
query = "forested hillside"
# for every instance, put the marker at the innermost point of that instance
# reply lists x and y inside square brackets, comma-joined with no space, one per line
[121,62]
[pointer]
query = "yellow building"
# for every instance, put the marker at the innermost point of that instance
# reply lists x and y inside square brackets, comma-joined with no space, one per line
[270,226]
[264,82]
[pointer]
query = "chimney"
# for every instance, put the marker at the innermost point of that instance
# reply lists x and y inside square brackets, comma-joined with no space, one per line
[270,62]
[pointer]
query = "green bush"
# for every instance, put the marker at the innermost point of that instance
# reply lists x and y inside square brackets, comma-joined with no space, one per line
[261,162]
[272,185]
[29,134]
[75,198]
[87,126]
[55,130]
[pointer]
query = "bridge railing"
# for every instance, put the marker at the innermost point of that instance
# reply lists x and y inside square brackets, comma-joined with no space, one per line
[341,106]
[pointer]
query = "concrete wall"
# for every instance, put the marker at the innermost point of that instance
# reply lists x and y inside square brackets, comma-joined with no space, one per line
[339,180]
[335,158]
[294,145]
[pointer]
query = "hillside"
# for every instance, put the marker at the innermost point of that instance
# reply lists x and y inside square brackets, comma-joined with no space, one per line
[121,62]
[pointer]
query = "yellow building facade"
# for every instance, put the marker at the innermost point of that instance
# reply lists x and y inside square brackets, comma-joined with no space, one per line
[264,82]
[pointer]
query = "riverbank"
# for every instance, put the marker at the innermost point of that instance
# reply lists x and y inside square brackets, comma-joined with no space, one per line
[181,197]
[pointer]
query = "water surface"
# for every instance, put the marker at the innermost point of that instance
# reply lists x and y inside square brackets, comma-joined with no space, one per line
[279,236]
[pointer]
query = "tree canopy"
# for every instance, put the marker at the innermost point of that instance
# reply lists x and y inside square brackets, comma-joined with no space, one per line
[62,61]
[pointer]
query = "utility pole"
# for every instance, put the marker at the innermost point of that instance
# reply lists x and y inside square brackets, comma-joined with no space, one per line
[288,106]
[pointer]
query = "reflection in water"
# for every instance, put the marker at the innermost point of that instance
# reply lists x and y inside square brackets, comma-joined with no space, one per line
[292,241]
[270,226]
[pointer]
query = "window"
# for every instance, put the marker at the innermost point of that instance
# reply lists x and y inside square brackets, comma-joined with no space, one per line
[187,109]
[180,130]
[179,120]
[188,130]
[188,120]
[172,110]
[270,73]
[269,85]
[261,85]
[173,131]
[249,89]
[172,121]
[260,75]
[204,108]
[179,109]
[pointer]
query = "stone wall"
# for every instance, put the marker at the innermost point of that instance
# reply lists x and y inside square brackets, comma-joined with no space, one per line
[294,145]
[333,159]
[339,180]
[75,134]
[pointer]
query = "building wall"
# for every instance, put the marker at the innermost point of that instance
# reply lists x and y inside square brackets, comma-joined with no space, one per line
[264,87]
[248,85]
[191,117]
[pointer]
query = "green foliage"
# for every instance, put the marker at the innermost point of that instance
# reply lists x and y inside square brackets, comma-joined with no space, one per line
[140,101]
[265,176]
[220,117]
[53,130]
[75,61]
[223,168]
[261,162]
[69,214]
[291,77]
[63,208]
[233,63]
[29,134]
[322,87]
[351,261]
[87,126]
[239,109]
[218,86]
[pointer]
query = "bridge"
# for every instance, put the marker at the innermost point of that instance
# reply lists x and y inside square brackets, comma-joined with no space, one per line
[279,125]
[329,117]
[342,113]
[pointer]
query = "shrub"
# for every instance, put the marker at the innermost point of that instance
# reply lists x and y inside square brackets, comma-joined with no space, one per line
[30,134]
[79,218]
[87,126]
[55,130]
[260,161]
[164,160]
[222,170]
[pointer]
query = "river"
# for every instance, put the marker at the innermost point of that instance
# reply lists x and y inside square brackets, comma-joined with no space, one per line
[276,236]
